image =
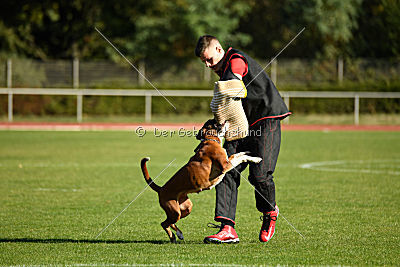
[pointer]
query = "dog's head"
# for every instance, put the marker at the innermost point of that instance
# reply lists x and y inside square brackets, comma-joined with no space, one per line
[212,129]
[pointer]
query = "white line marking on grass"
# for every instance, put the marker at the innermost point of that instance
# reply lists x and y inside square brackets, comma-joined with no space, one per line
[358,166]
[58,190]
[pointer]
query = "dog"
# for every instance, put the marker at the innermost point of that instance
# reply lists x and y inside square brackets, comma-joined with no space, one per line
[203,171]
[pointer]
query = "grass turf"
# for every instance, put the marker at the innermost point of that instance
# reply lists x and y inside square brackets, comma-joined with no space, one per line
[59,189]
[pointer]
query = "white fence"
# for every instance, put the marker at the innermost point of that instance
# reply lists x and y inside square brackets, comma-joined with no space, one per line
[148,94]
[19,72]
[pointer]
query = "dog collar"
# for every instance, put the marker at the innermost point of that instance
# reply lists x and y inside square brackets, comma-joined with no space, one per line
[201,143]
[206,139]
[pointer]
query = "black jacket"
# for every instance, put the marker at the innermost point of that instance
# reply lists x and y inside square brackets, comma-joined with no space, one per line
[263,100]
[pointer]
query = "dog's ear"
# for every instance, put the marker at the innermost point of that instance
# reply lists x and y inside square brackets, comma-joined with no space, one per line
[200,135]
[218,126]
[209,123]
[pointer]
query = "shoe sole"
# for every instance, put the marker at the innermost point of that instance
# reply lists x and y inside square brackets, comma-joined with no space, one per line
[217,241]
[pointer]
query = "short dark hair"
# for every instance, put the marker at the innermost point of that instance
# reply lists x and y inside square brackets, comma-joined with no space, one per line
[203,43]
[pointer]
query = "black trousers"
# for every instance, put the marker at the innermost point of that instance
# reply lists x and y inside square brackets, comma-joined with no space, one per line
[263,141]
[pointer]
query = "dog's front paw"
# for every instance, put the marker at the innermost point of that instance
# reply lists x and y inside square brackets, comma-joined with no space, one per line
[255,159]
[241,154]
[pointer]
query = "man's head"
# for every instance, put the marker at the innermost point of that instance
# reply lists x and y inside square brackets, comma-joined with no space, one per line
[210,51]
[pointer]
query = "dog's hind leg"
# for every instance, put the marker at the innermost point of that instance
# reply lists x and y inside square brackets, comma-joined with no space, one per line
[173,215]
[165,225]
[178,231]
[185,205]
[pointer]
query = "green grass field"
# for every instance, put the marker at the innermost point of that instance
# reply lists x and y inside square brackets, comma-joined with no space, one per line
[341,190]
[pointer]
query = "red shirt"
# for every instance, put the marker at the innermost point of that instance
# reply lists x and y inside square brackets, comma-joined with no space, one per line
[237,63]
[238,66]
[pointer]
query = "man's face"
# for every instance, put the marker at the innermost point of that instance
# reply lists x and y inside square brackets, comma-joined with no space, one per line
[212,56]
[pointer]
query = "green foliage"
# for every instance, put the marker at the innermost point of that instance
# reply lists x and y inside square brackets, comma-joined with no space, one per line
[50,29]
[168,29]
[27,73]
[333,21]
[378,34]
[142,29]
[328,23]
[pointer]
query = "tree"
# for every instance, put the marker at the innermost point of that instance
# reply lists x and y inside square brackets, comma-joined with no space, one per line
[379,30]
[143,29]
[334,21]
[170,29]
[49,29]
[329,25]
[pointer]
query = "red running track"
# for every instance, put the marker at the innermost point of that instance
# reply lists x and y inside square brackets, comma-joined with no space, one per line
[50,126]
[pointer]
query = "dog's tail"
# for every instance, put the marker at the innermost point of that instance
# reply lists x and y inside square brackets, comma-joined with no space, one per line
[147,176]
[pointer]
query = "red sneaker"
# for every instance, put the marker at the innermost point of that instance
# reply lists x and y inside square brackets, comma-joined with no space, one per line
[268,225]
[225,235]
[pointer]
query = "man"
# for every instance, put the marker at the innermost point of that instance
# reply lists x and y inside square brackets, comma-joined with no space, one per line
[264,108]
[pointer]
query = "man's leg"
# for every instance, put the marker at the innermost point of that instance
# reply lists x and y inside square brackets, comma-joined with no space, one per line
[266,146]
[226,197]
[226,200]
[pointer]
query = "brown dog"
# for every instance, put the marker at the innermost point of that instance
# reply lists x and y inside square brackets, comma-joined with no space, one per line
[203,171]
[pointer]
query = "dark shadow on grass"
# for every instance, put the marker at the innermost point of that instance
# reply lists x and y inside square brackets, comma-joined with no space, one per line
[90,241]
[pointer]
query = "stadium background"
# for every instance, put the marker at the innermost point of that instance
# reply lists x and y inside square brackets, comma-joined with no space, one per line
[347,46]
